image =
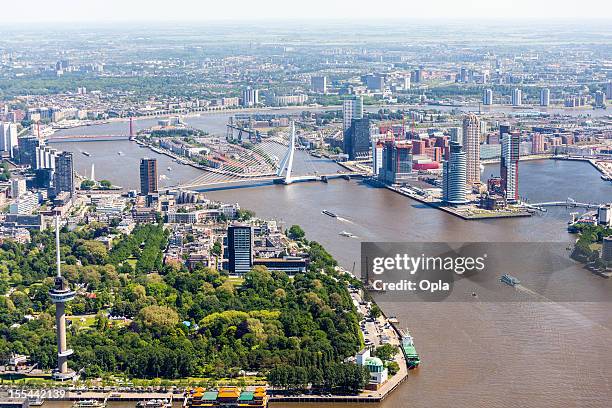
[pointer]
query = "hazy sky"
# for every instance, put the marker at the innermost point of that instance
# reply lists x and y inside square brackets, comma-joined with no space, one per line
[194,10]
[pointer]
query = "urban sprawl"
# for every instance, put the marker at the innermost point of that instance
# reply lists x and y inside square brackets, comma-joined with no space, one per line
[246,306]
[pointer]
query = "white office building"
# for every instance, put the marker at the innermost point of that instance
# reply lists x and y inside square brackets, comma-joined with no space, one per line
[456,134]
[45,157]
[377,153]
[407,82]
[352,108]
[250,97]
[8,137]
[24,205]
[517,97]
[18,187]
[604,215]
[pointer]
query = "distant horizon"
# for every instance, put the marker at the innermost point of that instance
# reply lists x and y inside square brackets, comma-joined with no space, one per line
[307,21]
[131,11]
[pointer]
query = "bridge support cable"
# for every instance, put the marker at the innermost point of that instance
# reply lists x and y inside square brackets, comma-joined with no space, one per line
[286,164]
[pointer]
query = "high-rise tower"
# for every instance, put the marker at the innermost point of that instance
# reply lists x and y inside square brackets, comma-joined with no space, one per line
[148,176]
[64,173]
[471,146]
[545,97]
[453,176]
[240,248]
[352,108]
[357,139]
[487,97]
[517,97]
[60,294]
[509,165]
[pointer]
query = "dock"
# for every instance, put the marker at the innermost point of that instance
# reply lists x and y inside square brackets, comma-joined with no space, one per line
[457,211]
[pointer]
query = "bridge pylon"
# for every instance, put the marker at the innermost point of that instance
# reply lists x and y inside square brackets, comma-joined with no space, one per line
[286,165]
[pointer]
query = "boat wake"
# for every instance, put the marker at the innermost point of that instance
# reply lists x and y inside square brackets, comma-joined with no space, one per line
[536,295]
[345,220]
[348,234]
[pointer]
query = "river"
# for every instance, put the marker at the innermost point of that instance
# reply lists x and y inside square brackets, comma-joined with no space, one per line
[474,353]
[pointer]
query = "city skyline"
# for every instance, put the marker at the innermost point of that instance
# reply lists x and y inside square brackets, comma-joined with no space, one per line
[244,171]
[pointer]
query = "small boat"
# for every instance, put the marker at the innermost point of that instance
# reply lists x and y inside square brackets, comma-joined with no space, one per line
[347,234]
[509,280]
[86,153]
[331,214]
[120,153]
[169,168]
[89,403]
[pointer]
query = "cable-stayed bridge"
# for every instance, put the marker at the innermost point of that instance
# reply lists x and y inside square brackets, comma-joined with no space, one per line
[220,180]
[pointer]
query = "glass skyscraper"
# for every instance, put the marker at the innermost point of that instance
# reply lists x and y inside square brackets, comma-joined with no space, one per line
[454,176]
[240,248]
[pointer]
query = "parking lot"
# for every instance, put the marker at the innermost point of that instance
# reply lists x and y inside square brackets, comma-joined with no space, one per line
[376,332]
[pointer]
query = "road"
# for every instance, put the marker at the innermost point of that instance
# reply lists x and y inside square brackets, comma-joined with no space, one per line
[377,332]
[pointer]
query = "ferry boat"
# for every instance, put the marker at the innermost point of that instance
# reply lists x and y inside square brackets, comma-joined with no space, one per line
[86,153]
[227,397]
[154,403]
[331,214]
[410,353]
[90,403]
[509,280]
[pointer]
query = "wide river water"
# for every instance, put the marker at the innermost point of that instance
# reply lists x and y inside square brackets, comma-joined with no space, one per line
[474,353]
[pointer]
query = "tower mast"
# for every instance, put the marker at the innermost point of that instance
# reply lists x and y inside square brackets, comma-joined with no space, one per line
[60,294]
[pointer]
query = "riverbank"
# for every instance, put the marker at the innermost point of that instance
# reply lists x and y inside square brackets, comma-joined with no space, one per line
[521,159]
[465,212]
[454,339]
[28,380]
[602,166]
[185,161]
